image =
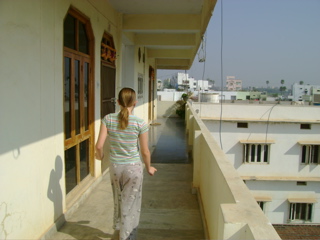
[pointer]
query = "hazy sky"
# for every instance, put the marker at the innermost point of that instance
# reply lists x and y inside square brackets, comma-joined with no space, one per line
[262,40]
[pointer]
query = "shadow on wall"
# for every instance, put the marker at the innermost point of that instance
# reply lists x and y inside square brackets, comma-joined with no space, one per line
[282,209]
[233,151]
[171,111]
[54,192]
[78,230]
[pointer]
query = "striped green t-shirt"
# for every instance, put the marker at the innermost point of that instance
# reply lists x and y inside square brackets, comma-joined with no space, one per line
[124,143]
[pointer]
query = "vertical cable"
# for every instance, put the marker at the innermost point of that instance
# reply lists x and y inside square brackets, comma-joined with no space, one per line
[221,59]
[204,42]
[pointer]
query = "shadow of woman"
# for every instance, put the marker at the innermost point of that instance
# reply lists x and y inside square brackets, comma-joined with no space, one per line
[54,192]
[78,230]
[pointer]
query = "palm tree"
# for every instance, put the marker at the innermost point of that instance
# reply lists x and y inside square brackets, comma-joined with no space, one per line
[267,82]
[282,88]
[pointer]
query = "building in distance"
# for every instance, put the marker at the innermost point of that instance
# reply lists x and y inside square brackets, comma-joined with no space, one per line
[233,84]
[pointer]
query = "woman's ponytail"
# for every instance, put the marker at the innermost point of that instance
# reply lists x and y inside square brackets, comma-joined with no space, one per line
[123,118]
[127,97]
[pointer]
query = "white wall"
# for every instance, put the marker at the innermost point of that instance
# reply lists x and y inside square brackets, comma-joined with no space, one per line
[169,96]
[285,163]
[260,112]
[278,209]
[284,153]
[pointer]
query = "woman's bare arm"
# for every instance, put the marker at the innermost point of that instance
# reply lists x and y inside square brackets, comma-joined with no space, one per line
[143,139]
[101,139]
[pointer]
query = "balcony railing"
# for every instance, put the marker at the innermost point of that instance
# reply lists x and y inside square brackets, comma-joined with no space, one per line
[229,208]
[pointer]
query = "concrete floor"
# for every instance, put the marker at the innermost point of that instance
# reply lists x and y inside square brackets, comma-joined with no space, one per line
[169,209]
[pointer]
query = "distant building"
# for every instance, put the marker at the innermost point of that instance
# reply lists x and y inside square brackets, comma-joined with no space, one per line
[276,151]
[233,84]
[202,85]
[307,93]
[159,84]
[182,81]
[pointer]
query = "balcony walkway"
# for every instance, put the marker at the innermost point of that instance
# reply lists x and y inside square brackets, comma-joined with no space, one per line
[169,210]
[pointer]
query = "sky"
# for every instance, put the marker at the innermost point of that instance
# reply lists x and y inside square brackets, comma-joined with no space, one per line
[261,40]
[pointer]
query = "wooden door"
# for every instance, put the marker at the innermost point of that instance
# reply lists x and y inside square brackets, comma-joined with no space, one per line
[108,89]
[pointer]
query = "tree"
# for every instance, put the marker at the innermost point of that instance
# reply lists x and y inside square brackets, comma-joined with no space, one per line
[301,82]
[282,88]
[211,81]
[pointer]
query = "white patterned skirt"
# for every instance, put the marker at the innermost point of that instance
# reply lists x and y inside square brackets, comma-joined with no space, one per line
[126,181]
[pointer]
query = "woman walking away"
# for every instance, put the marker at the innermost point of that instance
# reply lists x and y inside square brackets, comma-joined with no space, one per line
[126,132]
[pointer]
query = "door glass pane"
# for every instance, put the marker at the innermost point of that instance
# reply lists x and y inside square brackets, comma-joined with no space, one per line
[69,32]
[70,168]
[77,94]
[83,39]
[84,159]
[86,95]
[67,94]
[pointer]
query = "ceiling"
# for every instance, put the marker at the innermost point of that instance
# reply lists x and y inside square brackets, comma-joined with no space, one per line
[170,30]
[158,6]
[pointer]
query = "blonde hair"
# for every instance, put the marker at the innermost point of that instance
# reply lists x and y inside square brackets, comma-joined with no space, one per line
[126,98]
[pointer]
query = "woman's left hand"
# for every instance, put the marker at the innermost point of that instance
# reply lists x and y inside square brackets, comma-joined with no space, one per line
[152,171]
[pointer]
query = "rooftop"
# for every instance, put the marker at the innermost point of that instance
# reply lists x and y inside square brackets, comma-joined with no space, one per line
[298,231]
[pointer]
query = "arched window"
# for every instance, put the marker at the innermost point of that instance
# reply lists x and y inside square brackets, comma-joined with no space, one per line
[78,98]
[108,51]
[108,75]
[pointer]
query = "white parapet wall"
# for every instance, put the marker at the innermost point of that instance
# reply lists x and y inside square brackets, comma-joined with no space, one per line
[230,211]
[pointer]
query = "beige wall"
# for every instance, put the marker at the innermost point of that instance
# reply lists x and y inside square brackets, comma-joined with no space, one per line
[166,109]
[32,180]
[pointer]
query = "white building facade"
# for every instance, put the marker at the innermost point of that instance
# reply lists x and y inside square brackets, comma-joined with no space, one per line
[202,85]
[308,93]
[182,81]
[276,150]
[233,84]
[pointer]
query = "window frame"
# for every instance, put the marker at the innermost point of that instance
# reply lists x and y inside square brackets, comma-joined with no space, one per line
[296,208]
[84,138]
[310,153]
[252,150]
[242,125]
[305,126]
